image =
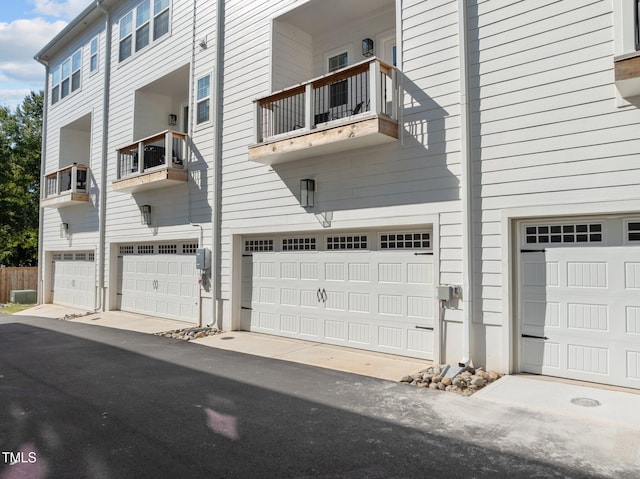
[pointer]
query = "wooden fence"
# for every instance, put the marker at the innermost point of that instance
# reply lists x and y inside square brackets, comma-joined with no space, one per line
[16,279]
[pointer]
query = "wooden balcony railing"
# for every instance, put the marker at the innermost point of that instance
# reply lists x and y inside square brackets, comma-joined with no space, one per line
[150,154]
[366,88]
[70,179]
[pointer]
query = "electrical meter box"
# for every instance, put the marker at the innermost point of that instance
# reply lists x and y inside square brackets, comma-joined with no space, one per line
[203,258]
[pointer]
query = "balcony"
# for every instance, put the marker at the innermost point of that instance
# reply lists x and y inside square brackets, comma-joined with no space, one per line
[66,187]
[145,164]
[351,108]
[627,74]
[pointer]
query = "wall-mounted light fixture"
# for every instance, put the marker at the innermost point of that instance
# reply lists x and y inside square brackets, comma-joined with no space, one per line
[203,42]
[145,211]
[64,230]
[173,119]
[307,192]
[367,47]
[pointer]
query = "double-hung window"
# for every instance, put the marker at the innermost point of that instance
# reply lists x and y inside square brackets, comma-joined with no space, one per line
[65,79]
[160,18]
[143,24]
[93,59]
[147,22]
[203,105]
[126,36]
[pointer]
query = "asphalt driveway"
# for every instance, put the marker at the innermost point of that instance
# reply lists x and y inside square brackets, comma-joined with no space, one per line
[79,401]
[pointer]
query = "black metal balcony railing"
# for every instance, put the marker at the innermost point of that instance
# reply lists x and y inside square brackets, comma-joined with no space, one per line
[70,179]
[150,154]
[367,87]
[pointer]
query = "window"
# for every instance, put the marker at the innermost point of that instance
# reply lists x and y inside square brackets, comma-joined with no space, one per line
[203,106]
[93,49]
[55,85]
[633,231]
[347,242]
[339,91]
[126,36]
[338,61]
[142,24]
[160,18]
[299,244]
[65,79]
[404,240]
[637,24]
[258,245]
[76,64]
[566,233]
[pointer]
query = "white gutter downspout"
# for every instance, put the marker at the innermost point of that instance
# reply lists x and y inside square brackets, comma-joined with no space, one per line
[217,166]
[105,151]
[467,188]
[43,149]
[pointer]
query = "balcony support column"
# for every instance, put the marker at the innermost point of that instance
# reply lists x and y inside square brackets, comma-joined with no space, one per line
[140,168]
[74,179]
[258,134]
[168,149]
[394,94]
[374,87]
[309,107]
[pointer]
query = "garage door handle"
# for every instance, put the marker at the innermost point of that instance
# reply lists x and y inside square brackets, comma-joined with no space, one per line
[534,337]
[324,296]
[319,295]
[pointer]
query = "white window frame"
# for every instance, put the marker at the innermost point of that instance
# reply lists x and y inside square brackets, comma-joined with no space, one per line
[73,67]
[626,232]
[94,58]
[624,27]
[138,25]
[202,99]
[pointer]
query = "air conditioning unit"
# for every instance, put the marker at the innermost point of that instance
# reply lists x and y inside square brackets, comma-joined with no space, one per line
[23,296]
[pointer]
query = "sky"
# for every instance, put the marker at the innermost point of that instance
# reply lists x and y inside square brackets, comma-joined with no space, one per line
[25,27]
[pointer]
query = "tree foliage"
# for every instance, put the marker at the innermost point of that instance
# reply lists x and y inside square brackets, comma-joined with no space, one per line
[20,150]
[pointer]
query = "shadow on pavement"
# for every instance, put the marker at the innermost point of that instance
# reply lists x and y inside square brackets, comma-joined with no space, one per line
[84,403]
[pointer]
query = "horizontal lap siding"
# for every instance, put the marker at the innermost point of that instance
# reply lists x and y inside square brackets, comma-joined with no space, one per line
[173,207]
[421,169]
[546,128]
[82,220]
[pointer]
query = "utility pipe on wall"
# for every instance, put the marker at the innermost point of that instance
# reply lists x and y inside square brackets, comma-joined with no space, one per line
[217,166]
[43,148]
[467,186]
[104,163]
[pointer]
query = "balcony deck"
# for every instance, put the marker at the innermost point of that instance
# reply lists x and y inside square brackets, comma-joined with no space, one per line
[66,187]
[145,165]
[352,108]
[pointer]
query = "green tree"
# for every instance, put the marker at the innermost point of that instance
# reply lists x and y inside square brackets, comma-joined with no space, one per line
[20,149]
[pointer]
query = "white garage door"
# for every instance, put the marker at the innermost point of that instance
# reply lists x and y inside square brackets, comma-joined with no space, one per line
[74,279]
[366,291]
[159,280]
[580,300]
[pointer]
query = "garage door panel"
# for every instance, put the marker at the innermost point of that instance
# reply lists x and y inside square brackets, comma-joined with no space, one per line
[73,280]
[581,299]
[367,299]
[632,275]
[163,285]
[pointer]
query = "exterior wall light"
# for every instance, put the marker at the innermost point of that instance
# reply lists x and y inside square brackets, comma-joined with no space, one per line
[173,119]
[307,193]
[367,47]
[145,211]
[64,230]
